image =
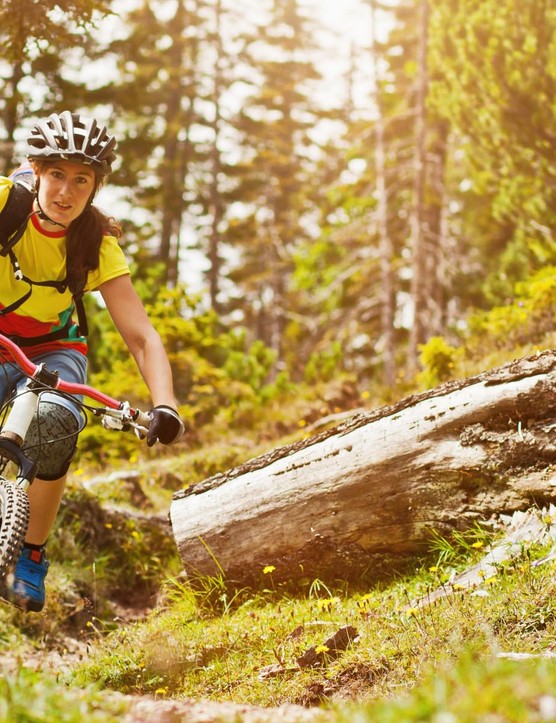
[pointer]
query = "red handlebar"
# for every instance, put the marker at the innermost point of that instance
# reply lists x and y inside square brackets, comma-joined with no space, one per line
[30,368]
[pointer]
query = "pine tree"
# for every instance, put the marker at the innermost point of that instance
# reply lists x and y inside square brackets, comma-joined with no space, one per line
[156,99]
[35,39]
[275,170]
[495,80]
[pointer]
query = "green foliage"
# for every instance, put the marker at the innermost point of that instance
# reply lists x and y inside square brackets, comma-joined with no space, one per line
[112,555]
[526,320]
[213,370]
[24,24]
[324,365]
[210,366]
[492,77]
[251,366]
[438,361]
[307,265]
[32,696]
[497,335]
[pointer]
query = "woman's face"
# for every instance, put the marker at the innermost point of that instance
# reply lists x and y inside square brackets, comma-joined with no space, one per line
[64,190]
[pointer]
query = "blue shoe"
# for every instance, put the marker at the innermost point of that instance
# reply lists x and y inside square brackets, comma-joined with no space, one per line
[28,591]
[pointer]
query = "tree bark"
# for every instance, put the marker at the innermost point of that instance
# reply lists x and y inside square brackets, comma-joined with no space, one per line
[363,497]
[420,284]
[216,205]
[385,242]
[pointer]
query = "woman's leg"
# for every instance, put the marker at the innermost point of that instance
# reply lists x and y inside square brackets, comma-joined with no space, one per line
[44,501]
[51,442]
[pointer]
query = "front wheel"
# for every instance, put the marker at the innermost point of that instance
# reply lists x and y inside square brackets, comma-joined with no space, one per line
[14,520]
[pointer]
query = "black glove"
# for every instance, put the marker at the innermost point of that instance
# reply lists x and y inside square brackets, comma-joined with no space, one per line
[165,427]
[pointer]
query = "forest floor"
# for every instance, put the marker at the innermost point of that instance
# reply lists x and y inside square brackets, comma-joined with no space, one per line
[151,709]
[167,659]
[69,651]
[65,647]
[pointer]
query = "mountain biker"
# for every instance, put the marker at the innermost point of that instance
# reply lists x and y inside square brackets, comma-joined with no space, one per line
[66,237]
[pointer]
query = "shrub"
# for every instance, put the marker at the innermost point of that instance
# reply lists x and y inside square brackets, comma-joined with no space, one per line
[437,359]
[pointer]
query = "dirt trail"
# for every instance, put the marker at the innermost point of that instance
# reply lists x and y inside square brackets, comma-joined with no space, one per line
[60,653]
[145,709]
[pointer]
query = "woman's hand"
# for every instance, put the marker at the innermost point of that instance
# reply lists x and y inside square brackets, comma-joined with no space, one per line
[166,427]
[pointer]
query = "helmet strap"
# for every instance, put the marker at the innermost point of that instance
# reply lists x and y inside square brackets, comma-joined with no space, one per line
[43,216]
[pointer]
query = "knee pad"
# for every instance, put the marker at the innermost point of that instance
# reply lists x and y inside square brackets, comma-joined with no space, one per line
[52,440]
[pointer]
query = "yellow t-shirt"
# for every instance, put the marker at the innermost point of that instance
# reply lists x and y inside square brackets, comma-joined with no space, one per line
[42,257]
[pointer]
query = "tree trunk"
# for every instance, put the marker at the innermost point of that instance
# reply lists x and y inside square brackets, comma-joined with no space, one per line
[385,242]
[172,208]
[420,284]
[10,117]
[371,490]
[215,199]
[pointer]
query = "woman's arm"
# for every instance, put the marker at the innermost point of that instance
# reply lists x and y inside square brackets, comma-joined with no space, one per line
[144,343]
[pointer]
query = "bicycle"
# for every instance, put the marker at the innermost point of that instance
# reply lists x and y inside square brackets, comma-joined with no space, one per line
[18,413]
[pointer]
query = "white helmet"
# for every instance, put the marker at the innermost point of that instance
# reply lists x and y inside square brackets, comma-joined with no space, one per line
[69,137]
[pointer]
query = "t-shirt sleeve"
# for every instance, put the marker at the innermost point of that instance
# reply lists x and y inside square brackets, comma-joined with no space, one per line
[112,263]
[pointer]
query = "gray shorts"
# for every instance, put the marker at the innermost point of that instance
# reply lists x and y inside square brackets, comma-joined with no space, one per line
[52,437]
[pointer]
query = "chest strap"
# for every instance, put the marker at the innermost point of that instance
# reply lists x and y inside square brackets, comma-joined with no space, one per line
[60,286]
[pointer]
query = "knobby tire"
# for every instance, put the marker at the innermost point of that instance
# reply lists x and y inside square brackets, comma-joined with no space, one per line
[14,520]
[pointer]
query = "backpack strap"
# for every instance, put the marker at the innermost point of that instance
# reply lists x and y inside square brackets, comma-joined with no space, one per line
[14,215]
[77,288]
[60,286]
[13,222]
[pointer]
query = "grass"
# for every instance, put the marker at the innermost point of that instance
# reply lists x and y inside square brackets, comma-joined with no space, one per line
[28,696]
[471,688]
[407,663]
[209,641]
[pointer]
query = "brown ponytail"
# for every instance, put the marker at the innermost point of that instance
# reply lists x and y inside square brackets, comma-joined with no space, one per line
[84,239]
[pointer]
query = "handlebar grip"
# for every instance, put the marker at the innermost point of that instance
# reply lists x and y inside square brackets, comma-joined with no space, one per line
[142,421]
[142,418]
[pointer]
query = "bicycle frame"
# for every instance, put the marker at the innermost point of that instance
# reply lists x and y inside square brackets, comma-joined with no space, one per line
[115,414]
[14,500]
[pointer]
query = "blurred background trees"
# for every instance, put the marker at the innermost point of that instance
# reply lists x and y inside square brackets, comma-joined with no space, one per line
[311,228]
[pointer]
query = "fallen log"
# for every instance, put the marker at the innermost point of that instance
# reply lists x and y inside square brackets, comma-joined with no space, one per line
[340,504]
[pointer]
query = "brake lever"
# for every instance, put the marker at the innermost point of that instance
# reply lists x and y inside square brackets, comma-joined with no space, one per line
[125,419]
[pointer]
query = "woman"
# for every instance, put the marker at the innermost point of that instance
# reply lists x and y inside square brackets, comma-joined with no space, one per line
[69,241]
